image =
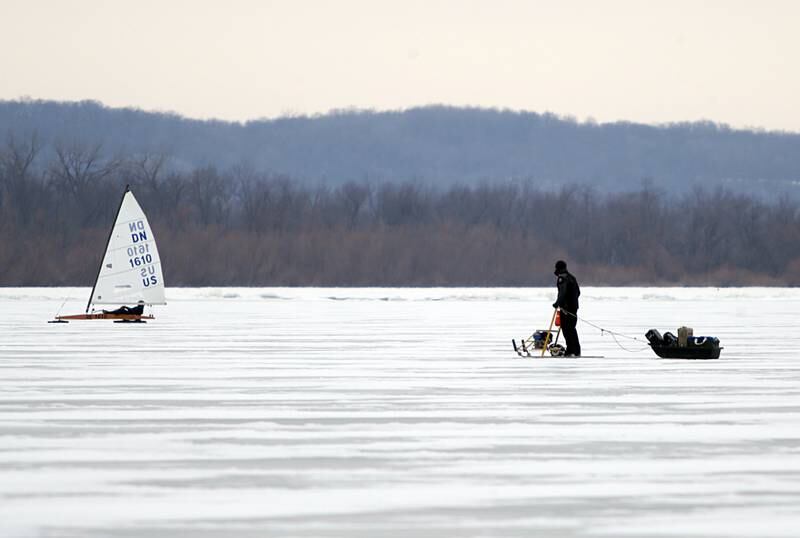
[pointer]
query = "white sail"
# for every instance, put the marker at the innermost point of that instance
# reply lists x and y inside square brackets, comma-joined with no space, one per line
[131,268]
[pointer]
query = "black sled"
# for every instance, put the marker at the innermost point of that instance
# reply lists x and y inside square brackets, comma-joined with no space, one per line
[689,347]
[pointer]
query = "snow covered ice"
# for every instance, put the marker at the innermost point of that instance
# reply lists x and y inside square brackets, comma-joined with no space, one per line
[398,412]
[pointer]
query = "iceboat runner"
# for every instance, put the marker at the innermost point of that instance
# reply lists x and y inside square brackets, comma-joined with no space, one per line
[130,271]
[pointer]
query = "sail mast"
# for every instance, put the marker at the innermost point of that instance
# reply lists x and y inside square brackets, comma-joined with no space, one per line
[110,233]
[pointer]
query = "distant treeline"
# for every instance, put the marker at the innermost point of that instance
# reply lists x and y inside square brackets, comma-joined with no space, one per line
[437,145]
[240,227]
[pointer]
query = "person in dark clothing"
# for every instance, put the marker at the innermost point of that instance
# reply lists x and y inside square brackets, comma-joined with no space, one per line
[567,302]
[137,310]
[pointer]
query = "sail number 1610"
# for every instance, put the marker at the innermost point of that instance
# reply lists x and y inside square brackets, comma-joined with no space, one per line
[138,261]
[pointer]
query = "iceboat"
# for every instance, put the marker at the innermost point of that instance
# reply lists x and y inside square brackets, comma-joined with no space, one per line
[130,270]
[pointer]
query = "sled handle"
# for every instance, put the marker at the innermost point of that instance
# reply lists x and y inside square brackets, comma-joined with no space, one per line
[547,338]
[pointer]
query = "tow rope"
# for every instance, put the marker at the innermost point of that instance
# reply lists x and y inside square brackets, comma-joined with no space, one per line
[614,334]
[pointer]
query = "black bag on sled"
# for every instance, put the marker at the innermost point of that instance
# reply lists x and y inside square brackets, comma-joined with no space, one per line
[697,347]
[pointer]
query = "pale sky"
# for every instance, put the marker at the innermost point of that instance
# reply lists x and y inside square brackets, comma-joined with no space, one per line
[734,61]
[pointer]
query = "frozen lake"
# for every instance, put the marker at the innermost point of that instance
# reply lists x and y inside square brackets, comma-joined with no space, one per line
[398,412]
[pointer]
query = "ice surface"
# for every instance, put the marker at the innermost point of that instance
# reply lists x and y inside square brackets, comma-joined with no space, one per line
[397,412]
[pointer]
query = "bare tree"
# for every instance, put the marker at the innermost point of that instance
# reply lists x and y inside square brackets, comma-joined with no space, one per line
[79,172]
[353,198]
[254,199]
[209,193]
[146,173]
[18,187]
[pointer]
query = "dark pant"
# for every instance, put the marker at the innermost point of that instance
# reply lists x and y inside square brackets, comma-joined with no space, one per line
[568,324]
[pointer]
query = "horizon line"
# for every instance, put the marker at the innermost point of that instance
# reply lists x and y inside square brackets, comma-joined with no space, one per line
[354,109]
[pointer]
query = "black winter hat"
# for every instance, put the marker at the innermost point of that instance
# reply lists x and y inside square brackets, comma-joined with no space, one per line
[561,267]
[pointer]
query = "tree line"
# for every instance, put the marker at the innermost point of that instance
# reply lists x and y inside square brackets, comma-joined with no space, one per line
[238,226]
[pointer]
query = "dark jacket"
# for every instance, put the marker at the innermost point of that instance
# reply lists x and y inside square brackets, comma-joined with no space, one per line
[568,292]
[137,310]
